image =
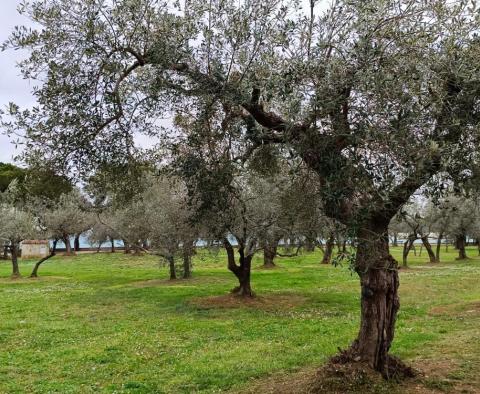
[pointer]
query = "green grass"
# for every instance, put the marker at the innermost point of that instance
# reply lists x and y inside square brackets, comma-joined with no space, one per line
[105,323]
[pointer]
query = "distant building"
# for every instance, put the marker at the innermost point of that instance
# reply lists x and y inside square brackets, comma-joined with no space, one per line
[34,248]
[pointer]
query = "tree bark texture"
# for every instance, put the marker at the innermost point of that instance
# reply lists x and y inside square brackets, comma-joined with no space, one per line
[327,256]
[241,271]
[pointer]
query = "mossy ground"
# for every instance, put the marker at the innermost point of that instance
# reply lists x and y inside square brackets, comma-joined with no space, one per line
[113,323]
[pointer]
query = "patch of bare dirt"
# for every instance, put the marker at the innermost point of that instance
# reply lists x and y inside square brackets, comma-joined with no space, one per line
[176,282]
[357,377]
[267,267]
[264,302]
[335,378]
[27,279]
[457,310]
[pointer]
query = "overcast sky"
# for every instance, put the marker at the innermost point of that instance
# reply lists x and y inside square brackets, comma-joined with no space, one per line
[12,86]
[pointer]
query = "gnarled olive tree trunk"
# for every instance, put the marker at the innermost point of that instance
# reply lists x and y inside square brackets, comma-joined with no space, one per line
[407,246]
[429,249]
[188,250]
[460,243]
[68,245]
[76,243]
[171,266]
[269,253]
[379,281]
[241,271]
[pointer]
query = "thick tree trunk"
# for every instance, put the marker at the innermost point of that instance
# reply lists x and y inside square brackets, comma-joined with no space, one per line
[68,246]
[269,254]
[460,243]
[187,260]
[126,247]
[171,265]
[428,247]
[379,281]
[76,243]
[327,256]
[34,273]
[241,271]
[439,245]
[112,245]
[14,253]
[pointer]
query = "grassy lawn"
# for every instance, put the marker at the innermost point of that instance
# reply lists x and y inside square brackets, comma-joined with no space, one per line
[111,323]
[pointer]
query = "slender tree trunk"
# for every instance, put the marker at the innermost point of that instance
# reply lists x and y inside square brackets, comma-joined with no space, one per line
[327,256]
[34,273]
[171,265]
[14,253]
[407,246]
[339,246]
[478,245]
[320,246]
[99,246]
[439,245]
[269,254]
[5,252]
[309,244]
[428,247]
[241,271]
[460,243]
[112,245]
[395,240]
[379,281]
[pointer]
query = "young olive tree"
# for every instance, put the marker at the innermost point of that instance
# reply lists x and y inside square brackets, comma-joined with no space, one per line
[464,222]
[171,231]
[101,233]
[376,97]
[15,226]
[419,222]
[67,218]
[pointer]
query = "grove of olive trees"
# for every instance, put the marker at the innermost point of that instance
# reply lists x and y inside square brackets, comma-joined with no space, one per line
[271,123]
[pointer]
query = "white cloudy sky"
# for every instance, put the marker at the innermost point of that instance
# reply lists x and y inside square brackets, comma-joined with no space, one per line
[12,86]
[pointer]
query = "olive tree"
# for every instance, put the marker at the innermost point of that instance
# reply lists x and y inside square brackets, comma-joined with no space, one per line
[16,225]
[171,232]
[67,218]
[464,222]
[376,97]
